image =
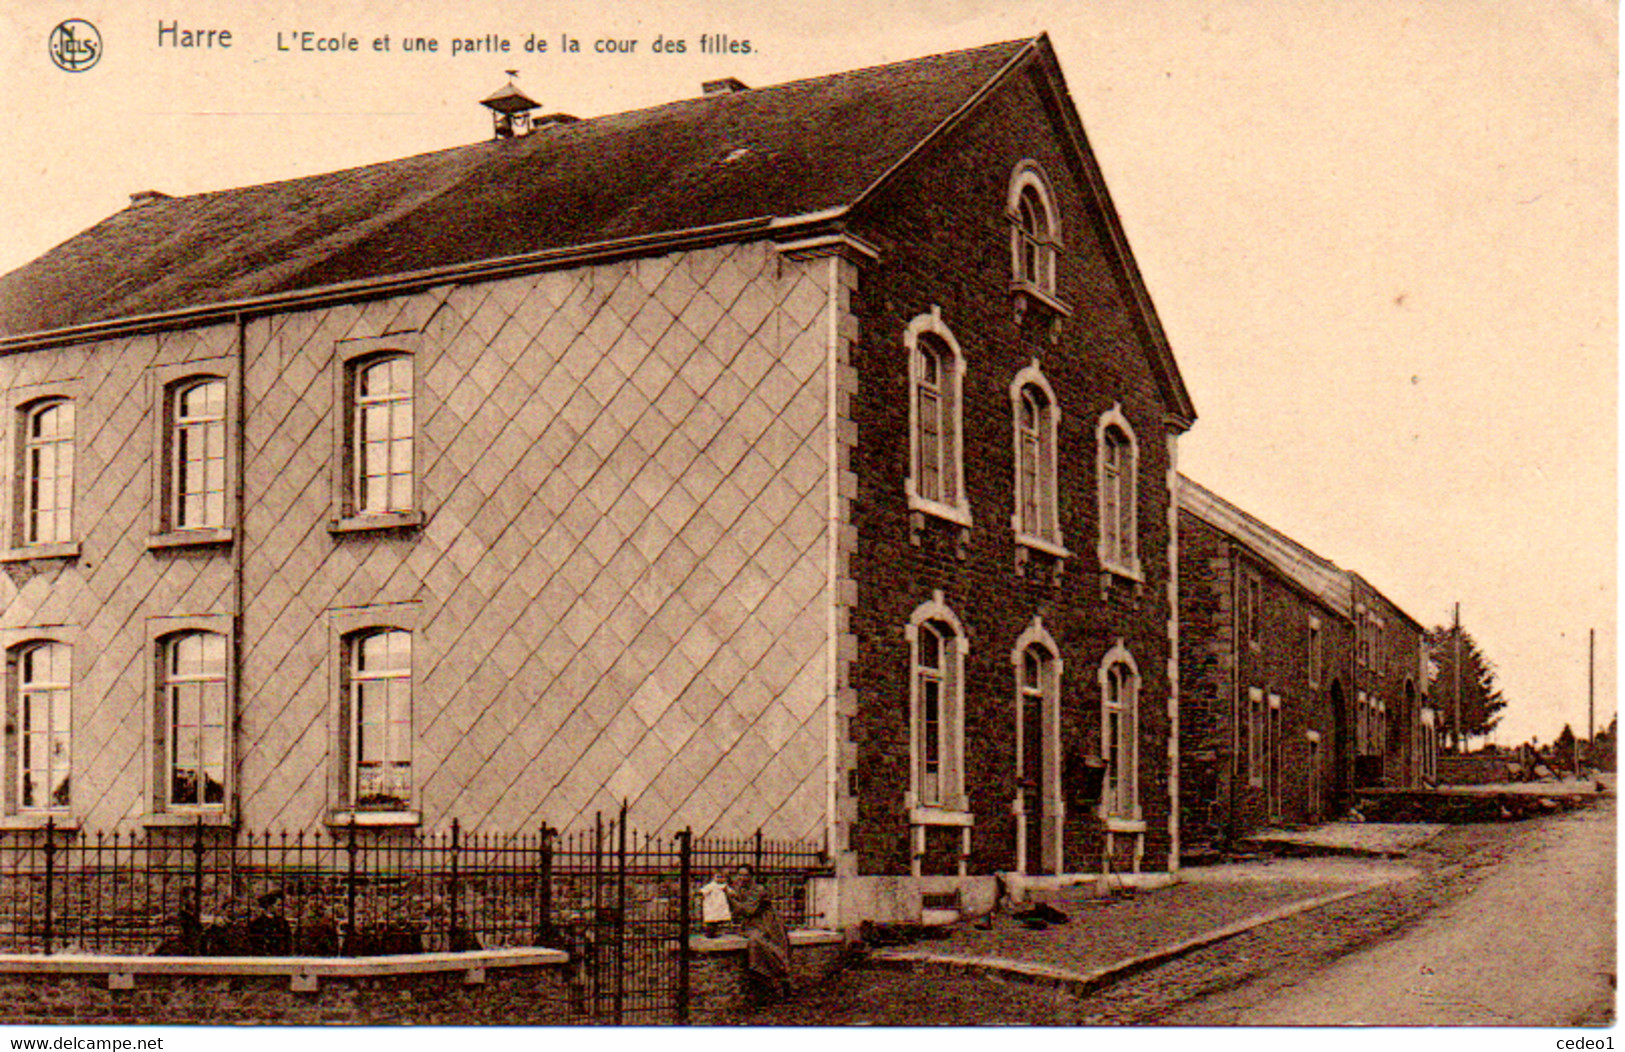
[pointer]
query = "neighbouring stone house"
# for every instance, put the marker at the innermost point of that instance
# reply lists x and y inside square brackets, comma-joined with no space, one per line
[1299,680]
[799,459]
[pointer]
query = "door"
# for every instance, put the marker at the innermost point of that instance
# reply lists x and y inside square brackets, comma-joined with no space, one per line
[1031,780]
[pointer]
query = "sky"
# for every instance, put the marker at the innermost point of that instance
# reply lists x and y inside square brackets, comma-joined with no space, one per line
[1382,237]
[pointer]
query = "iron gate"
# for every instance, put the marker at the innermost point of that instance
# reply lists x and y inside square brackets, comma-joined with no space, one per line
[624,912]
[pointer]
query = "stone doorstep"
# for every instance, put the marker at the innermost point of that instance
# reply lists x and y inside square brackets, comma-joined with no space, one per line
[1079,983]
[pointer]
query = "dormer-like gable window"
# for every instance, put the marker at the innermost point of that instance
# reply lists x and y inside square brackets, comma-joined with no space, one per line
[1035,232]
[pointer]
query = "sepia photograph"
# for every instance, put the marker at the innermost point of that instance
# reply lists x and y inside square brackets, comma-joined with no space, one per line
[809,515]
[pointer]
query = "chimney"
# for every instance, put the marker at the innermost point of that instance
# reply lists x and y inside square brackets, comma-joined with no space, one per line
[510,108]
[142,198]
[725,86]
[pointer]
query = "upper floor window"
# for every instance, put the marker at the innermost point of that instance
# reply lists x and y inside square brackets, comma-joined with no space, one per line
[1316,652]
[198,449]
[383,435]
[1119,734]
[1035,234]
[1118,467]
[194,702]
[47,473]
[936,480]
[1037,419]
[44,721]
[1252,608]
[937,645]
[376,484]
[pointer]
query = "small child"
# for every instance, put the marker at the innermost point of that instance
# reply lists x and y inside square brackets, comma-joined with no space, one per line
[714,904]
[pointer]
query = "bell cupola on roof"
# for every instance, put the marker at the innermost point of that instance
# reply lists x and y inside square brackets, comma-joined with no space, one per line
[510,108]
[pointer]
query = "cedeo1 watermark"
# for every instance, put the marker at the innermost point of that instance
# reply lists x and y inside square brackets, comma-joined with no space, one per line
[75,45]
[1585,1042]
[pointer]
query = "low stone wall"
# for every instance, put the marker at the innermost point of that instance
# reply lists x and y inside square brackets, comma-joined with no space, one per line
[511,987]
[1474,770]
[717,970]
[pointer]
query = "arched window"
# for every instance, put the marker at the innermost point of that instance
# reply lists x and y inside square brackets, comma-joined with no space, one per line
[198,449]
[382,435]
[1037,492]
[44,721]
[47,473]
[378,692]
[1118,463]
[1035,234]
[194,699]
[936,479]
[1119,734]
[937,648]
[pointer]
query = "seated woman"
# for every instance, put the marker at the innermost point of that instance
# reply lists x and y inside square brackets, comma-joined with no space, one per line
[767,959]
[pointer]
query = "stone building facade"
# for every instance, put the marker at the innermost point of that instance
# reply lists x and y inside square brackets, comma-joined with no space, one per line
[1283,712]
[799,459]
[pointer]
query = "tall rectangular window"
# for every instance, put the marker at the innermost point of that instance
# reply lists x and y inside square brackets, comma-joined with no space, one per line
[380,703]
[1255,736]
[1316,655]
[1119,738]
[44,727]
[195,702]
[383,435]
[47,473]
[198,446]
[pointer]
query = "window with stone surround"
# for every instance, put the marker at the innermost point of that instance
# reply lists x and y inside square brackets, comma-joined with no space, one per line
[198,456]
[46,473]
[1255,736]
[41,724]
[378,695]
[193,721]
[1119,735]
[1037,417]
[376,478]
[1035,231]
[194,465]
[937,685]
[936,480]
[1117,468]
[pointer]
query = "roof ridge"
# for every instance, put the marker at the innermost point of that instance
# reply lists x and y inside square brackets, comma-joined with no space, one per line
[696,100]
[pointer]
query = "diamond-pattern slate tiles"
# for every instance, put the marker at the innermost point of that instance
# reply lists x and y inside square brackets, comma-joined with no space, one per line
[617,502]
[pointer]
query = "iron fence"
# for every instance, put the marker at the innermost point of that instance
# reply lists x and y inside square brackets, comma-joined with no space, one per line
[360,891]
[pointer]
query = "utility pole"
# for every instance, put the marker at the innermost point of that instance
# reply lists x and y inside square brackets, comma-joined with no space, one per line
[1457,663]
[1591,697]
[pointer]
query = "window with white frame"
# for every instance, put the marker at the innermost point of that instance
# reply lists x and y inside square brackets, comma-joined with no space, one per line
[1118,467]
[194,703]
[198,455]
[1037,418]
[1119,734]
[47,473]
[378,719]
[1035,233]
[43,719]
[1255,736]
[383,435]
[936,479]
[937,647]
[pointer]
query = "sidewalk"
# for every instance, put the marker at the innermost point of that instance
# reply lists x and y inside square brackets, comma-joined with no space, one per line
[1108,937]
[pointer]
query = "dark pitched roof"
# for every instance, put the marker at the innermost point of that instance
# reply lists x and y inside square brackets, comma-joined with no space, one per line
[780,151]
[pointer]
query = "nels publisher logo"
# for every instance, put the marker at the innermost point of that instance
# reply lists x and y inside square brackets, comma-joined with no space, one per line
[75,45]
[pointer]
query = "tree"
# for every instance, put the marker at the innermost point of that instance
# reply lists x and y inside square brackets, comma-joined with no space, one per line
[1481,700]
